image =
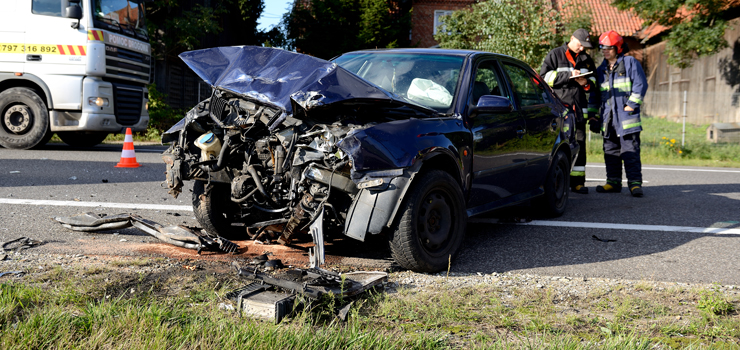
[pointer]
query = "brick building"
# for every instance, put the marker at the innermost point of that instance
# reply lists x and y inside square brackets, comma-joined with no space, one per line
[425,16]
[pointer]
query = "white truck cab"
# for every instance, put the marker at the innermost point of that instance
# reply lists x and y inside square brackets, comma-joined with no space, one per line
[77,68]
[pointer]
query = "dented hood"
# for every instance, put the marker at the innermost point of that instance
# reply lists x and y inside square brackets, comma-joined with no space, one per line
[284,79]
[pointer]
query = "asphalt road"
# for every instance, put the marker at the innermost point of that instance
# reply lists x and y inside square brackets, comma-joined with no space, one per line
[685,229]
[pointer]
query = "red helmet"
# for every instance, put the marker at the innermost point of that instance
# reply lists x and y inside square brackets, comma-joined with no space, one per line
[612,38]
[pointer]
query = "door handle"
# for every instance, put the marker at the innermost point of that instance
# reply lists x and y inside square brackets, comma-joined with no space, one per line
[33,57]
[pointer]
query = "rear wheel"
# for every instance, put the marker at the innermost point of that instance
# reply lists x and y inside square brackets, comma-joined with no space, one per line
[214,209]
[432,226]
[557,184]
[82,138]
[24,119]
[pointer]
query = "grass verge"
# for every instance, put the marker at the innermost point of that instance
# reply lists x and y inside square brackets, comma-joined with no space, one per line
[660,144]
[120,308]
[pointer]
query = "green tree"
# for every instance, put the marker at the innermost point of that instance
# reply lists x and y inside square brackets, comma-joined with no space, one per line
[174,28]
[326,28]
[524,29]
[323,28]
[697,26]
[575,19]
[379,28]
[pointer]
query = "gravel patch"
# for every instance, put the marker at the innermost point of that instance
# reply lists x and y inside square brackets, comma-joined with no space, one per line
[507,282]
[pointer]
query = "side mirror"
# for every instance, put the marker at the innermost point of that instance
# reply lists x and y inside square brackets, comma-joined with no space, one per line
[491,104]
[74,12]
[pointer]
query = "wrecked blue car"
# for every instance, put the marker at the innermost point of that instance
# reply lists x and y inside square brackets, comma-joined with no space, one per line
[407,143]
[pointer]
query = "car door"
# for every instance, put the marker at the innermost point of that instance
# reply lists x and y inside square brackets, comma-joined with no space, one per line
[542,124]
[497,163]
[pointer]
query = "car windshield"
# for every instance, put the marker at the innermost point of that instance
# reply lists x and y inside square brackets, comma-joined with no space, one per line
[127,14]
[426,79]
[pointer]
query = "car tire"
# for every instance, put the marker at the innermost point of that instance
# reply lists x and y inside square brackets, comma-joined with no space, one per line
[557,186]
[24,119]
[214,209]
[431,228]
[82,138]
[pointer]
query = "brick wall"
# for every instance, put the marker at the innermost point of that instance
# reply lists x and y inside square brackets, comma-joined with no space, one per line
[422,18]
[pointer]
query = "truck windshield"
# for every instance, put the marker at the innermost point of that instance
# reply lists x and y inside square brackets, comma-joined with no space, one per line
[124,16]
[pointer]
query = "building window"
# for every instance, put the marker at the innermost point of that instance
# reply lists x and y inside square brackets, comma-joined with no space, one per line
[438,14]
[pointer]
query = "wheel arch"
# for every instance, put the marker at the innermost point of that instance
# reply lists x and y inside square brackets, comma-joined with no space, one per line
[444,162]
[8,81]
[565,147]
[376,211]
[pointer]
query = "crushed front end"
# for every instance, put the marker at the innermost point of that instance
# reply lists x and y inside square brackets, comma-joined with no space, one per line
[274,151]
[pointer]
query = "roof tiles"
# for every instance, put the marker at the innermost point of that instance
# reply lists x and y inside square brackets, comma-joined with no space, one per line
[605,17]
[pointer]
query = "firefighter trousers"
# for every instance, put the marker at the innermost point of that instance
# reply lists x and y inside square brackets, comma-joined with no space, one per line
[578,174]
[618,149]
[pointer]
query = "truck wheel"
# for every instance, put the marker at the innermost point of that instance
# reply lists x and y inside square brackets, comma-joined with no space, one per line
[24,119]
[214,209]
[557,185]
[82,138]
[431,228]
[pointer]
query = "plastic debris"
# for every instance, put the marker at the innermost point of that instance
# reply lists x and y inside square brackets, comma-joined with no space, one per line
[181,236]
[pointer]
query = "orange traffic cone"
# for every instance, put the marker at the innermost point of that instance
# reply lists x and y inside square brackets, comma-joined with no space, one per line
[128,156]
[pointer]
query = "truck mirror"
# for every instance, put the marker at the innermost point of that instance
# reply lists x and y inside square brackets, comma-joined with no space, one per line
[74,11]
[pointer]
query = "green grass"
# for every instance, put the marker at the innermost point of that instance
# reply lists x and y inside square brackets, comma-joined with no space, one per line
[100,308]
[660,144]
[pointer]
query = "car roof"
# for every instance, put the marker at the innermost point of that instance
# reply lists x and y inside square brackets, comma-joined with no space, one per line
[436,51]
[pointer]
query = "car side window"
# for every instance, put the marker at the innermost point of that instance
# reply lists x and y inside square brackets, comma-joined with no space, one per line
[486,82]
[528,91]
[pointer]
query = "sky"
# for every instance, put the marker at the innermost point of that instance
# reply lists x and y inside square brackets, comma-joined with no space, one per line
[273,13]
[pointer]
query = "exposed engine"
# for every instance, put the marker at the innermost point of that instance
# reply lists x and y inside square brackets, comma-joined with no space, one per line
[280,171]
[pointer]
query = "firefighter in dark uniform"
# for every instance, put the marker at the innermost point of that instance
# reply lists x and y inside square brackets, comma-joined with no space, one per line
[560,70]
[623,85]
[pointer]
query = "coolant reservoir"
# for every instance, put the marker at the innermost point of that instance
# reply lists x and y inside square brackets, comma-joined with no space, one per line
[210,146]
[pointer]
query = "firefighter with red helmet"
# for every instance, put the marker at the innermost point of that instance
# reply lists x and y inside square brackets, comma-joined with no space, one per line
[623,86]
[568,69]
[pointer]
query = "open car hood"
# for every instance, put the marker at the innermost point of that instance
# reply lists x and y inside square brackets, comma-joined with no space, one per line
[285,80]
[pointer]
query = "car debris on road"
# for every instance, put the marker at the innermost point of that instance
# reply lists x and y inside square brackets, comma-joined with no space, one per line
[18,244]
[267,296]
[177,235]
[273,297]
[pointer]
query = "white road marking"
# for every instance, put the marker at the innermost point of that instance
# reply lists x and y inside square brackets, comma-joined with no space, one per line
[604,180]
[598,225]
[677,169]
[96,204]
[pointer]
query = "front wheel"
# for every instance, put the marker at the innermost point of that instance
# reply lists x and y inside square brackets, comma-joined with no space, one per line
[432,226]
[556,186]
[24,119]
[214,209]
[82,138]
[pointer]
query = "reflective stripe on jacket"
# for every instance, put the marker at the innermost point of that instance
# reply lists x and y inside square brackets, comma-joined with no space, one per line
[625,85]
[556,71]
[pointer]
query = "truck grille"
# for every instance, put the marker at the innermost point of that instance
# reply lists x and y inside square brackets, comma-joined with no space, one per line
[125,64]
[127,103]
